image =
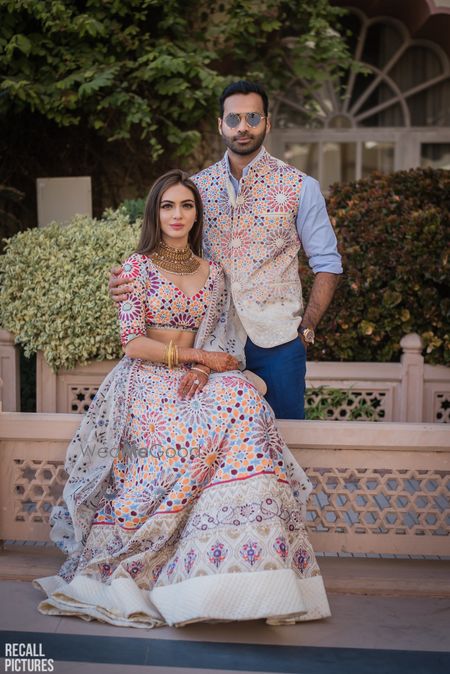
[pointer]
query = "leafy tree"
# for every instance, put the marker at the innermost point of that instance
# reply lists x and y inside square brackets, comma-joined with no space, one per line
[142,76]
[154,66]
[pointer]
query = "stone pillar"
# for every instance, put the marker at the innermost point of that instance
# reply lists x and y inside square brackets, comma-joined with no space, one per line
[9,373]
[46,381]
[412,364]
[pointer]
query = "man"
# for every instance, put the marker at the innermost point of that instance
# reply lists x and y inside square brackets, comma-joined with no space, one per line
[257,213]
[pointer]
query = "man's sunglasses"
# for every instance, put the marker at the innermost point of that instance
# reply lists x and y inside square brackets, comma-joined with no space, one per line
[233,119]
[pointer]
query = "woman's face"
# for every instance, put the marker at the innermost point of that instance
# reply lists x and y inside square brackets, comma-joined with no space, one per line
[177,214]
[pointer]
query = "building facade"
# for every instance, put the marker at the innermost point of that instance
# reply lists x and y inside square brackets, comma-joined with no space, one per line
[393,115]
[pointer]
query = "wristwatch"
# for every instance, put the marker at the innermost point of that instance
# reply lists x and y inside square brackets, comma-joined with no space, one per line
[307,334]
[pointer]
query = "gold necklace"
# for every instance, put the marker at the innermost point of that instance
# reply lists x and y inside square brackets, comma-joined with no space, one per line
[175,260]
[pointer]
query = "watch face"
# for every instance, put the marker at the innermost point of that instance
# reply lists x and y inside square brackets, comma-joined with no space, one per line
[308,335]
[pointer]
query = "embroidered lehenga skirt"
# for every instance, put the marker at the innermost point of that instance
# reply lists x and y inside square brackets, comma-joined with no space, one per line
[201,515]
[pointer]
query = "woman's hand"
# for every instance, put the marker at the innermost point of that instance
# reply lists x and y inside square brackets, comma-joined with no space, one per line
[218,361]
[193,382]
[119,287]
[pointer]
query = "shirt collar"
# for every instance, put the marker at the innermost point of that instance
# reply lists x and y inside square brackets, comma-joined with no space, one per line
[246,168]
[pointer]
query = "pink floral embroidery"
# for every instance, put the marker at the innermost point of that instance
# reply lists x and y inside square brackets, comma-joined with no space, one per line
[239,241]
[152,427]
[281,199]
[278,239]
[130,309]
[105,570]
[171,566]
[134,568]
[217,554]
[251,552]
[209,458]
[244,200]
[153,283]
[281,547]
[184,321]
[198,409]
[266,436]
[131,268]
[189,560]
[301,559]
[223,202]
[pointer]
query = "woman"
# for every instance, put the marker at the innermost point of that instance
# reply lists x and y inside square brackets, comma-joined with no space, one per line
[183,503]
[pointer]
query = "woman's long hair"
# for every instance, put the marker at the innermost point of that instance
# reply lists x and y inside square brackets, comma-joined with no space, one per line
[151,229]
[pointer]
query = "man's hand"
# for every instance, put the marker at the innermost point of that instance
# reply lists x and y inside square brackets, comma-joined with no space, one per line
[119,287]
[301,338]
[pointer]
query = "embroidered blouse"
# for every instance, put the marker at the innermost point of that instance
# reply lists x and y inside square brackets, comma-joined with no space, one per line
[156,302]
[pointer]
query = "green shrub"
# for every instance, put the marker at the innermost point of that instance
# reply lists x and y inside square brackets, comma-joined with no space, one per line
[54,294]
[393,233]
[324,403]
[134,208]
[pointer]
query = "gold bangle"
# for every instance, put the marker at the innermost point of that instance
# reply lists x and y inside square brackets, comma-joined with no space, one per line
[200,370]
[171,357]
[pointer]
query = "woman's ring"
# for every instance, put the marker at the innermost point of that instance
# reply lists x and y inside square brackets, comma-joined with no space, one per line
[196,381]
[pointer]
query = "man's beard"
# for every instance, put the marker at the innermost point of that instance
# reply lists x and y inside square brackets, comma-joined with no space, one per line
[253,146]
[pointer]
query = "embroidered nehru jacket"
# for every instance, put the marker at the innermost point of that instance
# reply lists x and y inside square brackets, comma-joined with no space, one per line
[253,236]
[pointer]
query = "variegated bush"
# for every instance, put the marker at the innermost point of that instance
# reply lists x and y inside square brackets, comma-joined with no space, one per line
[54,288]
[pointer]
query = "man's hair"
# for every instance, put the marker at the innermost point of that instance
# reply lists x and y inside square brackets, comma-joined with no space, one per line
[244,87]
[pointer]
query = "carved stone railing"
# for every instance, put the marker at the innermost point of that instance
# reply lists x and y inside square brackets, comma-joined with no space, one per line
[69,390]
[404,391]
[378,488]
[9,373]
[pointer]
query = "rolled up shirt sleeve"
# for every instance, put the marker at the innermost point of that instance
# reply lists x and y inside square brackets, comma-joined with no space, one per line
[315,230]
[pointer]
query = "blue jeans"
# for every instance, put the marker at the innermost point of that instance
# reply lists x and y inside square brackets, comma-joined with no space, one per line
[283,368]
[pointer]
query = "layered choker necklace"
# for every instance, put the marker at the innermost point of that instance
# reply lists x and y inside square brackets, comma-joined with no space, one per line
[175,260]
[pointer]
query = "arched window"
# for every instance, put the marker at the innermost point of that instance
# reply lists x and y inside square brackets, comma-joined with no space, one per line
[394,115]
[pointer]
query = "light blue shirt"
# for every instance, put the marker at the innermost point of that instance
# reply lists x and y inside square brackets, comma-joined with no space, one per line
[313,224]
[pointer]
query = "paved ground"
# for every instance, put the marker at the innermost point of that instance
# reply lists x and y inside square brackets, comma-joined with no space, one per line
[365,635]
